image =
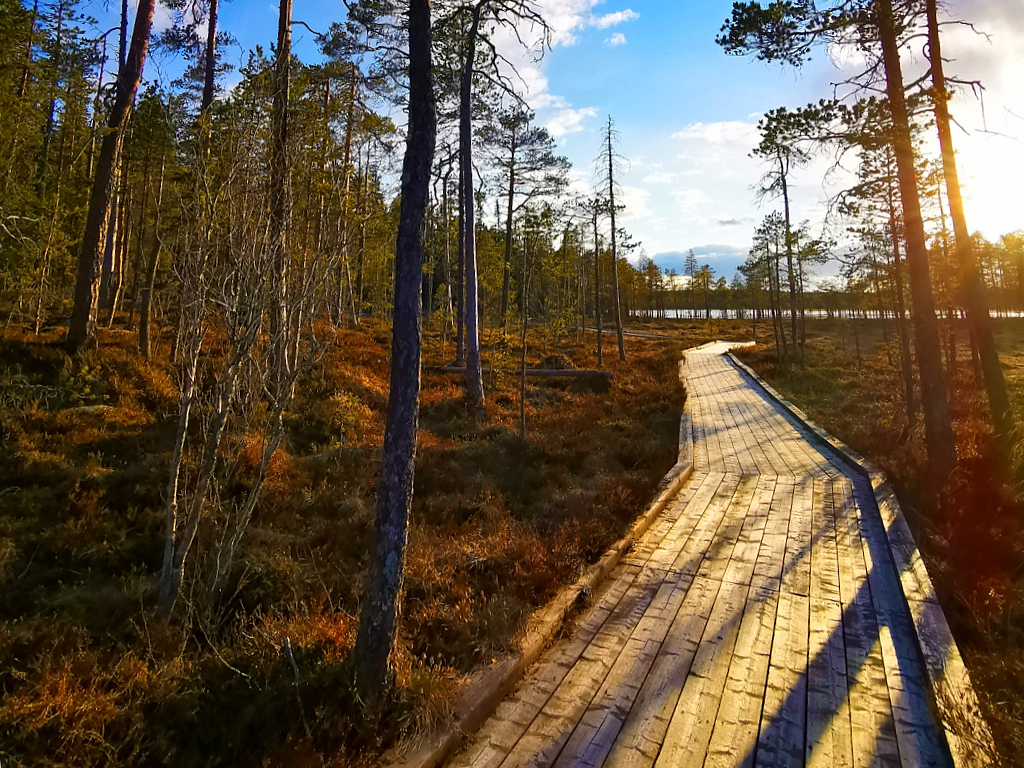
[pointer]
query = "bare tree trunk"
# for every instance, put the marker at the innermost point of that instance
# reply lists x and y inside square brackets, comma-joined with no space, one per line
[597,291]
[939,435]
[901,320]
[82,328]
[280,203]
[361,254]
[350,116]
[115,233]
[124,234]
[460,282]
[522,363]
[169,580]
[474,376]
[210,57]
[378,619]
[140,243]
[615,270]
[974,293]
[784,172]
[506,276]
[177,547]
[146,308]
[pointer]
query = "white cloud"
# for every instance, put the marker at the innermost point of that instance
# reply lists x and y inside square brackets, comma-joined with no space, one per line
[617,39]
[569,120]
[614,19]
[691,199]
[545,100]
[636,202]
[728,132]
[565,17]
[660,177]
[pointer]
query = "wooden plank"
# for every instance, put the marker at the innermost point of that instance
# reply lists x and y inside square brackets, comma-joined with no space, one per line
[781,739]
[874,732]
[771,556]
[829,726]
[796,577]
[689,731]
[825,557]
[644,730]
[741,566]
[917,731]
[734,739]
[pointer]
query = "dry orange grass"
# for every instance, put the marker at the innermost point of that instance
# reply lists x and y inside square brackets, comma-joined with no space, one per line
[89,677]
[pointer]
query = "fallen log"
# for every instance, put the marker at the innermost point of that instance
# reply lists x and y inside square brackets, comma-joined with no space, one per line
[583,380]
[568,373]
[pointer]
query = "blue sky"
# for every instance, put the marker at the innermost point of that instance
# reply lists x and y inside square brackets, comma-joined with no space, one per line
[687,113]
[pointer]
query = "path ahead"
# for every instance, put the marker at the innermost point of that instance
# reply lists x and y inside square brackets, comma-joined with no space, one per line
[758,622]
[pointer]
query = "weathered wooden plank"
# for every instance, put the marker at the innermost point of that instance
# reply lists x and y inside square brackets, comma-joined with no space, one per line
[741,566]
[644,730]
[796,577]
[829,729]
[825,557]
[771,556]
[917,731]
[874,731]
[689,731]
[734,739]
[781,739]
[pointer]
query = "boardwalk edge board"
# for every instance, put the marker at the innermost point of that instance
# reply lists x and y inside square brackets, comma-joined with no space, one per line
[493,683]
[967,733]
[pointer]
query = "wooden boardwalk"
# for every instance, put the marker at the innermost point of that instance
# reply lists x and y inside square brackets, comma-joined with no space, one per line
[758,622]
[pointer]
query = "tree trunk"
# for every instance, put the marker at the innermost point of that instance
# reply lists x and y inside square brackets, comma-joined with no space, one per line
[474,377]
[974,294]
[210,65]
[346,272]
[114,230]
[460,282]
[379,617]
[522,366]
[280,205]
[901,319]
[146,308]
[784,171]
[82,328]
[615,270]
[506,277]
[140,243]
[939,436]
[597,292]
[361,253]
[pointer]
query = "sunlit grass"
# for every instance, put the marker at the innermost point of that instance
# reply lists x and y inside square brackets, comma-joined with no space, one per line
[88,676]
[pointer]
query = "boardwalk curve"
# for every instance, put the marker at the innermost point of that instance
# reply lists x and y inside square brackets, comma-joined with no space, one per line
[759,621]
